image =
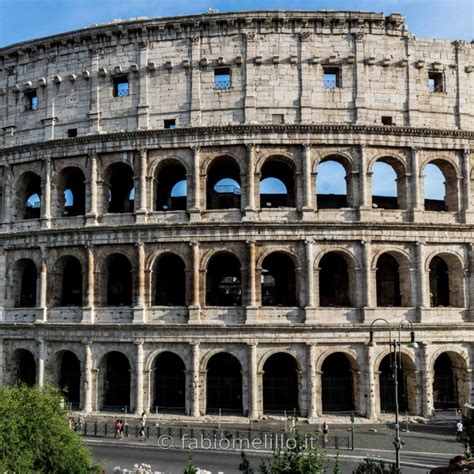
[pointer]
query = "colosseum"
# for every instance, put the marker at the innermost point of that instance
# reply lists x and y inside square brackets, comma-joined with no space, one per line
[167,245]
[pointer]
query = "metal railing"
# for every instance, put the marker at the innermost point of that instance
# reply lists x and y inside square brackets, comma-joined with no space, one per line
[222,84]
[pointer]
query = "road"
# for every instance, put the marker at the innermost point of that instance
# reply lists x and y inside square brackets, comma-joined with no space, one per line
[174,461]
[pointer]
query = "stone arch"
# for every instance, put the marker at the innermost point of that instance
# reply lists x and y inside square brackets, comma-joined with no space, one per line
[67,281]
[224,169]
[331,201]
[393,278]
[450,171]
[28,192]
[119,188]
[446,284]
[168,279]
[25,283]
[68,375]
[223,279]
[116,280]
[340,288]
[24,366]
[282,170]
[167,174]
[399,167]
[71,192]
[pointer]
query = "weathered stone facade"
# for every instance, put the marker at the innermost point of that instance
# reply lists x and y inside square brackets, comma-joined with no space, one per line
[66,269]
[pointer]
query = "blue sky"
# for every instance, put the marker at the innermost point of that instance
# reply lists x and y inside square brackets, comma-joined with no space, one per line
[26,19]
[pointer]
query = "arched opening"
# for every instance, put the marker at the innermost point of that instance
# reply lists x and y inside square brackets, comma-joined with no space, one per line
[439,282]
[224,384]
[69,378]
[170,281]
[72,192]
[171,188]
[67,285]
[406,384]
[25,283]
[278,281]
[333,281]
[29,193]
[119,280]
[331,184]
[223,184]
[120,188]
[280,384]
[445,384]
[388,185]
[388,281]
[277,184]
[116,380]
[440,185]
[169,374]
[25,367]
[223,280]
[337,384]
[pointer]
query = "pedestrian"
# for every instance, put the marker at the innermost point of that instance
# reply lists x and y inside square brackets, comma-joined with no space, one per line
[459,430]
[80,422]
[142,427]
[325,432]
[122,428]
[467,452]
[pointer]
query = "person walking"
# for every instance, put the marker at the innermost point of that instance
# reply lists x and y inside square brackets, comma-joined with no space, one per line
[459,430]
[325,432]
[142,427]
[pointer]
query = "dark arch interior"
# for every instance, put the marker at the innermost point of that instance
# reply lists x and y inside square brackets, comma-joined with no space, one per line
[445,384]
[388,281]
[224,384]
[32,196]
[71,283]
[121,185]
[74,197]
[28,284]
[280,384]
[223,281]
[167,178]
[278,282]
[169,383]
[439,282]
[70,378]
[223,196]
[329,171]
[116,381]
[333,281]
[387,387]
[337,384]
[383,172]
[119,281]
[25,367]
[282,171]
[170,281]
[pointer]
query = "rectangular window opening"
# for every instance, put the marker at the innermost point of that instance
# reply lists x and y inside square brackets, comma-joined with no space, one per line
[278,118]
[222,78]
[170,123]
[332,77]
[387,120]
[31,102]
[435,82]
[121,86]
[72,132]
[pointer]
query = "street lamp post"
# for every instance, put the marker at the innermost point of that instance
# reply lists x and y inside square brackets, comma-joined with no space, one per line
[395,352]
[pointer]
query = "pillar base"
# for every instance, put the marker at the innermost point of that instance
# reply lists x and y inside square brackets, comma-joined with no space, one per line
[41,316]
[251,316]
[87,316]
[364,213]
[307,214]
[46,223]
[91,219]
[417,215]
[468,217]
[194,214]
[139,316]
[310,315]
[194,315]
[140,216]
[249,214]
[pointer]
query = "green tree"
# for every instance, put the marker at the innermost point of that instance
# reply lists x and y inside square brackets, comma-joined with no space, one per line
[35,435]
[368,466]
[190,468]
[244,465]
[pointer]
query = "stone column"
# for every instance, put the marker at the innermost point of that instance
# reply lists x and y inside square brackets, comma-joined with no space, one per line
[194,309]
[88,312]
[42,315]
[467,191]
[94,111]
[41,361]
[252,307]
[312,382]
[142,192]
[470,283]
[417,204]
[7,194]
[370,384]
[307,188]
[368,287]
[195,410]
[422,284]
[250,207]
[139,310]
[427,380]
[253,371]
[365,198]
[195,76]
[140,373]
[143,107]
[195,208]
[46,204]
[309,274]
[88,384]
[250,41]
[91,216]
